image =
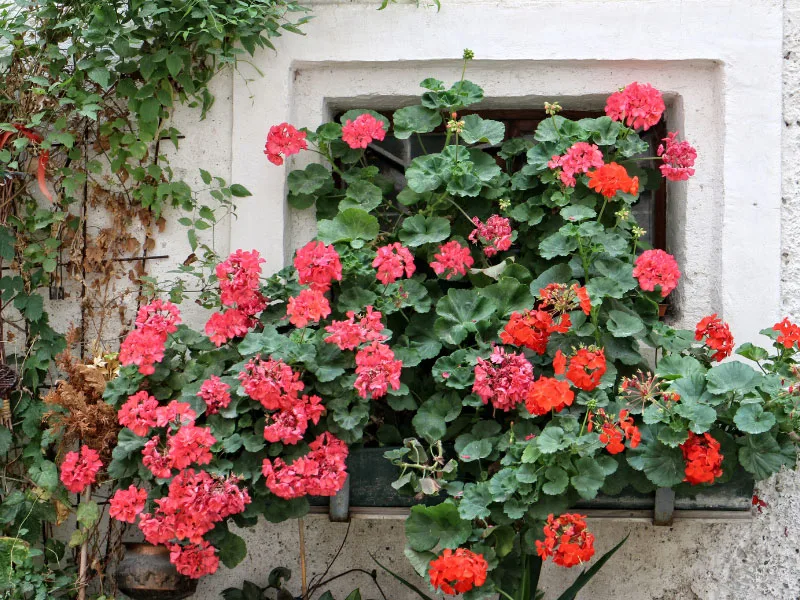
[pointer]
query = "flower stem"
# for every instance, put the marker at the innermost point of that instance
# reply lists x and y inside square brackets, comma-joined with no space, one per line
[502,593]
[463,212]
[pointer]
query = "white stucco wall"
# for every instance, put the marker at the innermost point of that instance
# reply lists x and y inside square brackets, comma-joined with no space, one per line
[734,227]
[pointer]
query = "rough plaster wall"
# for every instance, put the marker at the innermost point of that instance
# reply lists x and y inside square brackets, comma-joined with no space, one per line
[758,560]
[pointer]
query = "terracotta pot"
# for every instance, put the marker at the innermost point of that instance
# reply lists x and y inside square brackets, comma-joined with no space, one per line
[145,573]
[662,310]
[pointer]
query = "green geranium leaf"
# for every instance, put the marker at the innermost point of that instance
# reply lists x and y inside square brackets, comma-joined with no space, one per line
[603,130]
[509,295]
[558,128]
[456,370]
[555,274]
[662,464]
[752,418]
[503,484]
[599,288]
[476,450]
[751,352]
[557,481]
[459,312]
[557,244]
[432,416]
[232,550]
[477,130]
[577,212]
[623,324]
[355,298]
[415,119]
[349,225]
[429,526]
[362,194]
[701,416]
[310,180]
[671,437]
[589,479]
[761,455]
[732,377]
[88,513]
[45,473]
[475,502]
[419,230]
[675,366]
[424,173]
[552,439]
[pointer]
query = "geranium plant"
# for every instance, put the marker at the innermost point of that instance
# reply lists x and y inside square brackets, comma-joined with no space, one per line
[495,321]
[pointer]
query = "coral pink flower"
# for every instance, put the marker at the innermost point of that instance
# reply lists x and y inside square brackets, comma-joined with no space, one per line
[224,326]
[157,461]
[392,262]
[144,348]
[271,382]
[638,106]
[126,504]
[159,316]
[362,131]
[350,334]
[154,530]
[289,425]
[321,472]
[716,334]
[79,469]
[309,306]
[503,379]
[612,178]
[194,560]
[215,393]
[239,284]
[175,413]
[678,158]
[376,370]
[495,234]
[452,259]
[138,413]
[657,268]
[318,265]
[190,445]
[284,140]
[579,158]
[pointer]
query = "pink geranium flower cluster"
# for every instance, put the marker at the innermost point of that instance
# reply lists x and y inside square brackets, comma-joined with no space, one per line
[318,265]
[284,140]
[638,105]
[581,157]
[452,260]
[138,413]
[392,262]
[309,306]
[504,379]
[321,472]
[678,158]
[350,334]
[495,234]
[361,132]
[271,382]
[126,504]
[215,393]
[80,468]
[289,425]
[376,370]
[144,346]
[657,268]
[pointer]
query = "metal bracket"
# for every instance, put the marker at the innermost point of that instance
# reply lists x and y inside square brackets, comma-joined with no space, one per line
[664,512]
[339,507]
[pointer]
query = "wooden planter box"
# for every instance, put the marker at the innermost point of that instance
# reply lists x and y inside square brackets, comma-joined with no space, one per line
[368,494]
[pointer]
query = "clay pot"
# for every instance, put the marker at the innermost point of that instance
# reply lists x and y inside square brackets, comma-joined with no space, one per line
[662,310]
[145,573]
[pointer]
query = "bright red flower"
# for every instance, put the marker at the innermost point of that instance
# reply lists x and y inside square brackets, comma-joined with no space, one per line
[284,140]
[392,262]
[789,333]
[362,131]
[563,298]
[309,306]
[546,394]
[531,329]
[716,334]
[138,413]
[559,363]
[156,460]
[321,472]
[678,158]
[271,382]
[79,469]
[215,393]
[194,560]
[586,368]
[376,370]
[703,459]
[613,432]
[503,379]
[495,234]
[126,504]
[458,572]
[657,268]
[612,178]
[639,105]
[239,282]
[583,299]
[566,540]
[289,425]
[318,265]
[144,348]
[159,316]
[452,259]
[190,445]
[579,158]
[348,335]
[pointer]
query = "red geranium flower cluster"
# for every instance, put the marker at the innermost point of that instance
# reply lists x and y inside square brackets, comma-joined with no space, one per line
[350,334]
[495,234]
[226,325]
[126,504]
[318,265]
[362,131]
[716,334]
[321,472]
[376,370]
[215,393]
[566,540]
[639,105]
[612,178]
[271,382]
[546,394]
[309,306]
[194,560]
[503,379]
[703,459]
[532,329]
[79,469]
[613,432]
[458,572]
[452,259]
[175,413]
[789,333]
[190,445]
[678,158]
[138,413]
[579,158]
[392,262]
[657,268]
[284,140]
[586,367]
[288,425]
[563,298]
[239,286]
[186,443]
[144,346]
